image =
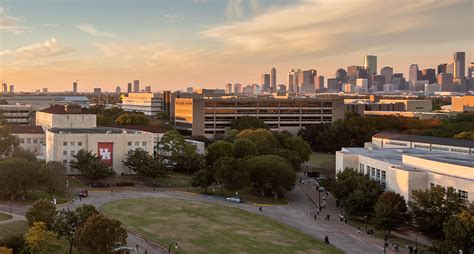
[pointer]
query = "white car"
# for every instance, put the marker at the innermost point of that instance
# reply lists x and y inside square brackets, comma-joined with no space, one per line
[233,200]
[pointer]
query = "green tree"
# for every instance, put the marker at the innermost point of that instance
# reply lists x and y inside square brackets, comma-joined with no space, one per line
[219,150]
[16,242]
[189,160]
[101,235]
[263,139]
[458,233]
[132,119]
[432,208]
[465,135]
[19,176]
[42,211]
[244,147]
[91,166]
[231,172]
[170,145]
[390,211]
[141,162]
[271,172]
[23,154]
[203,179]
[40,239]
[247,122]
[53,178]
[8,142]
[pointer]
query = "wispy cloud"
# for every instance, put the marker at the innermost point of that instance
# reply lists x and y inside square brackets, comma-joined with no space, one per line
[48,48]
[334,27]
[91,29]
[169,18]
[12,24]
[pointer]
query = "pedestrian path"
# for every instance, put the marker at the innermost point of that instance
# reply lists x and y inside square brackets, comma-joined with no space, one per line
[15,217]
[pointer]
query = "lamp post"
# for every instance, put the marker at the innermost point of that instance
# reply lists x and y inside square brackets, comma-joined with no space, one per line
[11,199]
[171,245]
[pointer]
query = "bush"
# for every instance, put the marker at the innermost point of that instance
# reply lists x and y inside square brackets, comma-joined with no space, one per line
[125,184]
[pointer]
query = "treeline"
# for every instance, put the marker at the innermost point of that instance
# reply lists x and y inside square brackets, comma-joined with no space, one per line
[355,130]
[85,229]
[438,212]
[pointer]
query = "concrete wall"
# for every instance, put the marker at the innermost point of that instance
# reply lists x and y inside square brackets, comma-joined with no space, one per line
[31,142]
[47,120]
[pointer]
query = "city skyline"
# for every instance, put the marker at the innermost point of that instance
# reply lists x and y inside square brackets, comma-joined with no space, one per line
[52,45]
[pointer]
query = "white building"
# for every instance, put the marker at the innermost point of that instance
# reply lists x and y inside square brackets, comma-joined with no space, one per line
[148,103]
[403,165]
[16,114]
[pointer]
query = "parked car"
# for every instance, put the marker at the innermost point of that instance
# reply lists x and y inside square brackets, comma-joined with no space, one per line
[233,199]
[83,193]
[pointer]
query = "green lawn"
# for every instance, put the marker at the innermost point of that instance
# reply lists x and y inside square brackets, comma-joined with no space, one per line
[201,227]
[4,216]
[174,180]
[323,161]
[14,227]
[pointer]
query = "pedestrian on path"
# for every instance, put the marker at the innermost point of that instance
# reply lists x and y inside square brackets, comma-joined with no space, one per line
[328,216]
[315,217]
[260,209]
[358,230]
[326,240]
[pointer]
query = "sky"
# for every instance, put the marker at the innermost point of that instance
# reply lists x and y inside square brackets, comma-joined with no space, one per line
[173,44]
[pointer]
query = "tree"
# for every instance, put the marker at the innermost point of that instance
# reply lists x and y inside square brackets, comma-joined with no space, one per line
[189,160]
[91,166]
[231,172]
[171,144]
[263,139]
[459,233]
[23,154]
[101,235]
[15,242]
[219,150]
[203,179]
[69,222]
[390,211]
[19,176]
[8,142]
[163,115]
[271,172]
[247,122]
[465,135]
[53,178]
[40,239]
[244,147]
[42,211]
[432,208]
[141,162]
[132,119]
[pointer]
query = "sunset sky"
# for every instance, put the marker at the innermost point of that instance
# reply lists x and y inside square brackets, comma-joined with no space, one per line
[173,44]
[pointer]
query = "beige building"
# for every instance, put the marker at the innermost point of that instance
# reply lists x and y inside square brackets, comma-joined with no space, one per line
[405,170]
[211,116]
[65,116]
[462,103]
[31,138]
[147,103]
[16,114]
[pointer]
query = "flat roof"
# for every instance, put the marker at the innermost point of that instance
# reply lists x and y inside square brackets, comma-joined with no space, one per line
[26,129]
[394,156]
[426,139]
[96,130]
[62,109]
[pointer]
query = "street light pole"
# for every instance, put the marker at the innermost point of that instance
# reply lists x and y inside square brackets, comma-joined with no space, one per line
[171,245]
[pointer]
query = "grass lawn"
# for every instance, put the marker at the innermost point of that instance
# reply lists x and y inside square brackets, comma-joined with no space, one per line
[201,227]
[4,216]
[174,180]
[324,161]
[14,227]
[247,195]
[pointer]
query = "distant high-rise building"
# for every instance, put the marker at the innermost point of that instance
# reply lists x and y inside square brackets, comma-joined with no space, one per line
[281,88]
[129,88]
[74,87]
[399,81]
[293,80]
[189,89]
[118,90]
[370,65]
[450,68]
[445,80]
[387,72]
[45,90]
[306,81]
[470,77]
[265,82]
[4,88]
[341,76]
[273,78]
[136,86]
[354,72]
[237,88]
[147,89]
[97,91]
[429,74]
[362,85]
[12,88]
[377,82]
[228,88]
[459,65]
[413,73]
[333,85]
[442,68]
[319,83]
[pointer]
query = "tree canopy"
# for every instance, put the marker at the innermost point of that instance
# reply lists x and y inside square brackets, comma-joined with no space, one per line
[390,211]
[248,122]
[134,118]
[91,166]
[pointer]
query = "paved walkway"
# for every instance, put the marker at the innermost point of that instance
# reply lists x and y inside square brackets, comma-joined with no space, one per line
[15,217]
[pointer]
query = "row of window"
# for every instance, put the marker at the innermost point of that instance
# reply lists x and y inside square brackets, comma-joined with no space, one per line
[28,140]
[72,143]
[374,174]
[464,194]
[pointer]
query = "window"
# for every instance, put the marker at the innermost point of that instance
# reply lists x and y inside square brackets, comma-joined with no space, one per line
[22,140]
[384,176]
[28,140]
[373,172]
[368,170]
[137,143]
[73,143]
[64,143]
[35,140]
[464,194]
[378,173]
[65,162]
[432,185]
[129,143]
[64,152]
[79,143]
[143,143]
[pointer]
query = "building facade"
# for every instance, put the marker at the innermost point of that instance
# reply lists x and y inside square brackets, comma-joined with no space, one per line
[16,114]
[208,117]
[147,103]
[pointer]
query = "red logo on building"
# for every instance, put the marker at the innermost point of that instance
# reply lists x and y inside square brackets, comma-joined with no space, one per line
[106,151]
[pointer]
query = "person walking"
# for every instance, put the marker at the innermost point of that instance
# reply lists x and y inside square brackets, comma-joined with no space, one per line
[328,216]
[260,209]
[326,240]
[358,230]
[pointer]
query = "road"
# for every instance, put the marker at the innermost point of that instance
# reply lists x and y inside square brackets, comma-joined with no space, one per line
[298,214]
